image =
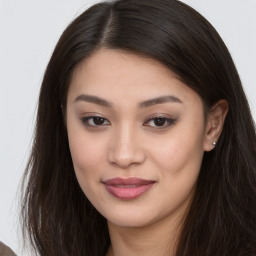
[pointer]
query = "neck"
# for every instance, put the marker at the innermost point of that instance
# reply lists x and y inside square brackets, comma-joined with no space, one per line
[156,239]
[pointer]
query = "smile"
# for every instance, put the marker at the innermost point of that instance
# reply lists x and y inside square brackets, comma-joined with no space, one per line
[129,188]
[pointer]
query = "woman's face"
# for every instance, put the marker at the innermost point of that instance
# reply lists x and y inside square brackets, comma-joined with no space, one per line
[136,136]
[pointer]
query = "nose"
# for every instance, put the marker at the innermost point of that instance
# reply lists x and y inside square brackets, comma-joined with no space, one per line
[125,149]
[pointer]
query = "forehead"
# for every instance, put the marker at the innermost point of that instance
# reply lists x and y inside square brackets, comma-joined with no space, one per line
[119,74]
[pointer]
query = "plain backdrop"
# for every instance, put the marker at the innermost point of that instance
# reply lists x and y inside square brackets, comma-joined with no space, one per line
[29,30]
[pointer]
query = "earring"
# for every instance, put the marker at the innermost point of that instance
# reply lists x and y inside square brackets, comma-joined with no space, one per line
[214,144]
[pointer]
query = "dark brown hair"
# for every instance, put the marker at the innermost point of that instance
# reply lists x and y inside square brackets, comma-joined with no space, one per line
[58,218]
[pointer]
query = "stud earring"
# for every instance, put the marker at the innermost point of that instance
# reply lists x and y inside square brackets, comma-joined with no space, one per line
[214,144]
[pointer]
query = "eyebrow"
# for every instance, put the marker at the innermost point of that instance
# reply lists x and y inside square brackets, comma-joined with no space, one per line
[144,104]
[93,99]
[159,100]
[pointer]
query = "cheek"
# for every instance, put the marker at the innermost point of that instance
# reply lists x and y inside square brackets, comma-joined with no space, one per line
[85,153]
[178,161]
[178,156]
[86,148]
[87,156]
[178,152]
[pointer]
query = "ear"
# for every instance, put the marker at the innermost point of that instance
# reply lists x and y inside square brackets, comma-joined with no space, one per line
[214,124]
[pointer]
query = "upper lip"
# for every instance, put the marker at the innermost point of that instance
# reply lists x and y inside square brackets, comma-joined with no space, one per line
[127,181]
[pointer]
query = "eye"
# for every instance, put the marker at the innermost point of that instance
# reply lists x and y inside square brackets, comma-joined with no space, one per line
[94,121]
[160,122]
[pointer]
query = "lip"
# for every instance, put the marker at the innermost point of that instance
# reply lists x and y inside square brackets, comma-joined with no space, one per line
[128,188]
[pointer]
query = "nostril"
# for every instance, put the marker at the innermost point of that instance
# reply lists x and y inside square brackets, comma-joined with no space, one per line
[124,157]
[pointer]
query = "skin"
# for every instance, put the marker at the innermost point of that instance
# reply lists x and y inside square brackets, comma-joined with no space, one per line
[130,143]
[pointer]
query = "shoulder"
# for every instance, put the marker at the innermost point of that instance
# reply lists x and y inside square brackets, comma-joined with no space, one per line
[5,250]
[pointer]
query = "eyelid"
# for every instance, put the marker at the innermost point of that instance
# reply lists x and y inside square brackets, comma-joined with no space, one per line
[86,118]
[170,121]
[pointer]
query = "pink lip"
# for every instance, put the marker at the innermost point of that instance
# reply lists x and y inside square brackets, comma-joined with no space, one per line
[128,188]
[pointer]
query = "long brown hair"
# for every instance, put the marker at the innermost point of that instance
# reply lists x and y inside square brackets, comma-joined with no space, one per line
[57,217]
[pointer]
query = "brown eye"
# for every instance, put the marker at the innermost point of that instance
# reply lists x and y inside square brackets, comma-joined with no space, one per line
[159,121]
[94,121]
[98,120]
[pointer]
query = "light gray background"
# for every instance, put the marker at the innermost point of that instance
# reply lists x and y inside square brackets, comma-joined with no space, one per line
[29,30]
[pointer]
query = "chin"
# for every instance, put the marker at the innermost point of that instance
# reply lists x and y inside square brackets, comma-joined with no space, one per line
[130,221]
[132,217]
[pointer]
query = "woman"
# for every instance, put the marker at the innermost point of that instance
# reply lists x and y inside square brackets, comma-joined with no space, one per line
[144,141]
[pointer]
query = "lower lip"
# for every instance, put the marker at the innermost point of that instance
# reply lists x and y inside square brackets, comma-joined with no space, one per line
[128,192]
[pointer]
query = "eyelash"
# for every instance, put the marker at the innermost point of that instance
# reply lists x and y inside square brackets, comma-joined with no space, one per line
[104,122]
[166,122]
[86,120]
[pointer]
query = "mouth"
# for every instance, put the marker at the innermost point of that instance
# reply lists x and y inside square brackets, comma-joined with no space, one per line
[127,188]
